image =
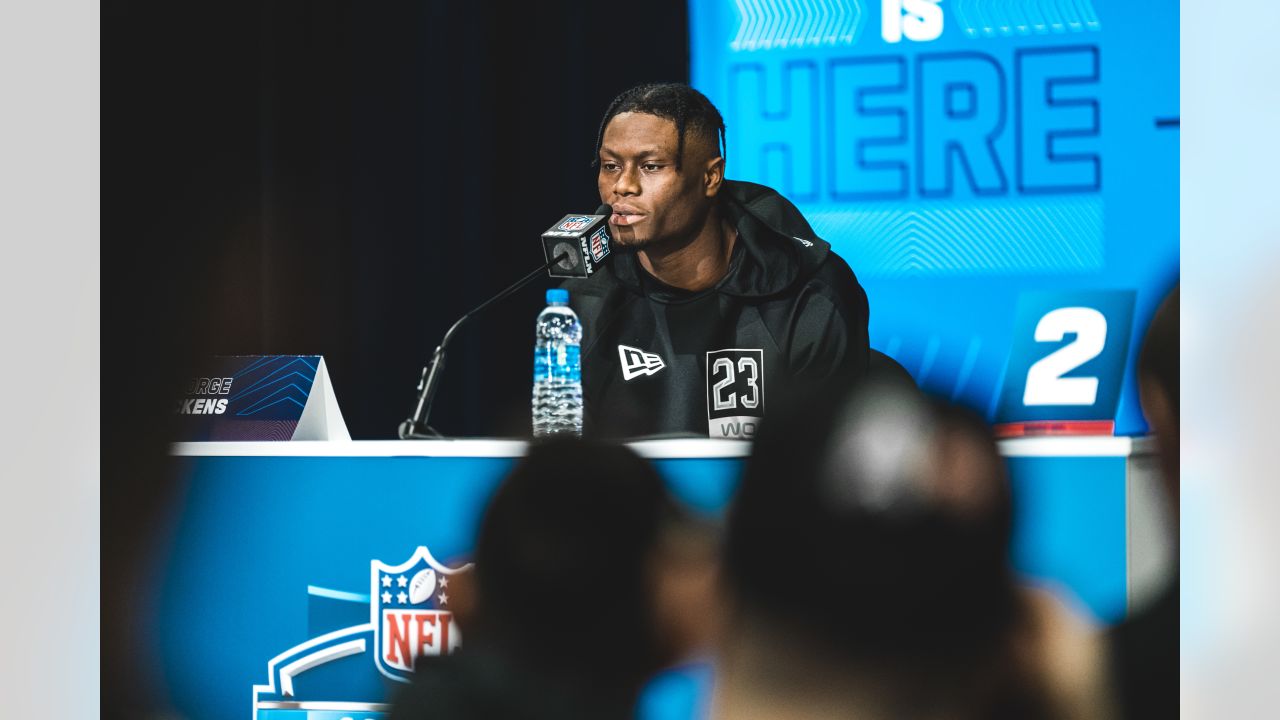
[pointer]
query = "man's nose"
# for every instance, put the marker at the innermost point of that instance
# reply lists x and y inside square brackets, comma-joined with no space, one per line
[628,183]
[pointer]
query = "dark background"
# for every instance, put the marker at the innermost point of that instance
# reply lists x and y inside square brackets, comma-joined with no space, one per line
[347,179]
[343,179]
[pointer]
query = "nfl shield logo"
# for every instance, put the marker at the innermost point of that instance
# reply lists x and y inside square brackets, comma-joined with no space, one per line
[409,609]
[574,223]
[597,245]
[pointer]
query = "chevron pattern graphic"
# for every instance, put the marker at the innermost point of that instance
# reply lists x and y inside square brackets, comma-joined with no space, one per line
[771,24]
[286,380]
[945,366]
[1002,18]
[897,239]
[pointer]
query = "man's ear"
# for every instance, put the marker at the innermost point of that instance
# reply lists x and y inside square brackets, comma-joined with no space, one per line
[713,176]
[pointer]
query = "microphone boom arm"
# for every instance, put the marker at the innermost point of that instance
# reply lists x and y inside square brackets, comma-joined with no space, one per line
[416,427]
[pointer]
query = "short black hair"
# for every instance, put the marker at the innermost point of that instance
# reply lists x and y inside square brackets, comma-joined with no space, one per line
[891,570]
[1158,359]
[568,535]
[677,102]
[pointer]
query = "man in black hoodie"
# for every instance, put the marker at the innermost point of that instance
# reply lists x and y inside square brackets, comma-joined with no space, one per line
[720,296]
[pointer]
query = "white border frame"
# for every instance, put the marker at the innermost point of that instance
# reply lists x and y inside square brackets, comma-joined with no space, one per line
[674,449]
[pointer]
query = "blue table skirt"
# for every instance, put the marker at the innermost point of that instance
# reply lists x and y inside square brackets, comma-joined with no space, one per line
[268,584]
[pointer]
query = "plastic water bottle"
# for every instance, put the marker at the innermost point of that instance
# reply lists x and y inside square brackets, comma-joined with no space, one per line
[557,369]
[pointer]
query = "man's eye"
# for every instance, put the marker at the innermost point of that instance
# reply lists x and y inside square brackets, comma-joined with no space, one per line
[651,167]
[609,166]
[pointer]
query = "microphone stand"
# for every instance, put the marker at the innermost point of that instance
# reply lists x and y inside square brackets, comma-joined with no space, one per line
[416,427]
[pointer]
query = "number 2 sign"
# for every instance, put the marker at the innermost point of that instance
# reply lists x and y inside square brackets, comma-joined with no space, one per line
[1067,357]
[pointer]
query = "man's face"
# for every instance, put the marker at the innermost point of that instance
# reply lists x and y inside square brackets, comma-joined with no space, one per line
[652,202]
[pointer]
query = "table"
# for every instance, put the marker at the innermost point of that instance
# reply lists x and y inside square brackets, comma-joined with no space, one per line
[266,602]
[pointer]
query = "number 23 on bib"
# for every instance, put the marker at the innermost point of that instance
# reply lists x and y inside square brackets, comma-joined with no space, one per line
[735,392]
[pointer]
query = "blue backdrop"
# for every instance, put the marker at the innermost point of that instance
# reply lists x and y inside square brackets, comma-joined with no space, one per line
[960,154]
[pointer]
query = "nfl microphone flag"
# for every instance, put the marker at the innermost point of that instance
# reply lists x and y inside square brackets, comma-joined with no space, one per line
[584,237]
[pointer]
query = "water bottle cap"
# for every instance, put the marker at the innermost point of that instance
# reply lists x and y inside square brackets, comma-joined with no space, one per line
[557,296]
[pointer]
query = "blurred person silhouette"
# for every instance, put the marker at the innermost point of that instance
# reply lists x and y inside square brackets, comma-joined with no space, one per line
[1144,648]
[867,573]
[588,579]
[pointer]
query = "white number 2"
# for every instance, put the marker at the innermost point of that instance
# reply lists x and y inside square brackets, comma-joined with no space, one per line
[723,401]
[1045,384]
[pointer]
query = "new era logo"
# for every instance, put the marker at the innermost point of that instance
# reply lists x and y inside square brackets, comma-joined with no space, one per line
[636,362]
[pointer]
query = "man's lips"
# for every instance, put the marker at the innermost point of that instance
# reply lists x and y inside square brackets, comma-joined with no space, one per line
[625,216]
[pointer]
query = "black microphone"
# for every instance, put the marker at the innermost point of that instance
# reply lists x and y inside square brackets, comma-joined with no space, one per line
[578,245]
[586,240]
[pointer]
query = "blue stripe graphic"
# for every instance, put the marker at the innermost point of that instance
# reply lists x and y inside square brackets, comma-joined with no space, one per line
[959,238]
[251,388]
[259,406]
[966,366]
[776,24]
[1003,18]
[256,364]
[336,594]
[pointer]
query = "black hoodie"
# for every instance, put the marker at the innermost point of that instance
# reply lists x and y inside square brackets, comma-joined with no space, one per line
[658,360]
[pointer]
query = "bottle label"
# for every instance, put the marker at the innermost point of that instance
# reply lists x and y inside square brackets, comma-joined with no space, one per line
[557,363]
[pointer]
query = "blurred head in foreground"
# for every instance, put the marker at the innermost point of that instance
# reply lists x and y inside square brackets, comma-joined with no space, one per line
[867,565]
[561,618]
[1145,647]
[1158,385]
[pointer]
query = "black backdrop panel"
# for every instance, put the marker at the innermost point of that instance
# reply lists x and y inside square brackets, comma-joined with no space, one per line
[346,179]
